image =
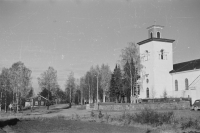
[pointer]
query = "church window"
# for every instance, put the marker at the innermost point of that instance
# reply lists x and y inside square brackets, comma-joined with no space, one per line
[146,55]
[158,34]
[151,35]
[147,92]
[162,55]
[176,85]
[186,84]
[147,80]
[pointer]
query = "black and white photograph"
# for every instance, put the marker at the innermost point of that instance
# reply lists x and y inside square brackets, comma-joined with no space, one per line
[100,66]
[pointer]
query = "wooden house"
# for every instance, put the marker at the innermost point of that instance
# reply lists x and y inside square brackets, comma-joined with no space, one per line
[38,101]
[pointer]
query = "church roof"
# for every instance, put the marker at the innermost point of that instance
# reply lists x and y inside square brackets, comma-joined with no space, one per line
[155,39]
[186,66]
[155,26]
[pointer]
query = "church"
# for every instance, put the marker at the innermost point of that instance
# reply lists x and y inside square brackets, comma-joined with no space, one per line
[159,76]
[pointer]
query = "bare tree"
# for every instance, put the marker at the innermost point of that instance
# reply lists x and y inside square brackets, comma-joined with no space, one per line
[105,80]
[20,79]
[48,80]
[131,53]
[70,87]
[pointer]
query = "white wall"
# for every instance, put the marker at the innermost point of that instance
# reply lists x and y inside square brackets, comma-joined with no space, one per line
[162,78]
[147,69]
[156,69]
[194,88]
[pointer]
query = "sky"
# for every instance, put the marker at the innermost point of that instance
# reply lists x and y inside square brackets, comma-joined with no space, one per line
[73,35]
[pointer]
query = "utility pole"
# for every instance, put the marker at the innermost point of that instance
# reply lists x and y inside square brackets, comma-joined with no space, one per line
[17,98]
[97,87]
[1,100]
[5,97]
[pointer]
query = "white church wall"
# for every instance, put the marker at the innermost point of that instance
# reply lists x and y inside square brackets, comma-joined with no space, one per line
[193,82]
[147,63]
[156,70]
[162,67]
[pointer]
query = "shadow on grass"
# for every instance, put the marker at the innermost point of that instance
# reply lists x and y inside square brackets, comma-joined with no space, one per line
[10,122]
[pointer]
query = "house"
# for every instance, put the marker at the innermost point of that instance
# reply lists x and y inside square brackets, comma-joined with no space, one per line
[160,75]
[38,101]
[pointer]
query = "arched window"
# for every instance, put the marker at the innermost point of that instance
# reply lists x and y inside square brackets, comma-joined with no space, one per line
[186,84]
[158,34]
[147,92]
[176,85]
[151,35]
[146,58]
[162,54]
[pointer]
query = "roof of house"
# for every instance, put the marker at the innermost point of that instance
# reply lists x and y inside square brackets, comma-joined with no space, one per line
[39,96]
[186,66]
[155,39]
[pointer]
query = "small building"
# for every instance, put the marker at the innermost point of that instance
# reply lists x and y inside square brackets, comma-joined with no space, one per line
[28,103]
[38,101]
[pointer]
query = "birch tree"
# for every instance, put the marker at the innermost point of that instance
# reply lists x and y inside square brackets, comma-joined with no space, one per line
[48,80]
[129,54]
[105,80]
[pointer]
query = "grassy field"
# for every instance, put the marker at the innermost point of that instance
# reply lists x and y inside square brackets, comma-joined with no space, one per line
[52,125]
[78,120]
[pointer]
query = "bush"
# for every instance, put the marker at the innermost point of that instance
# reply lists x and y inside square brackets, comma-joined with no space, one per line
[191,124]
[149,116]
[100,115]
[92,114]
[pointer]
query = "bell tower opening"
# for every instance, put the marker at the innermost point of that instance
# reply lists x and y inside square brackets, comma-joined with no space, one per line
[158,34]
[154,31]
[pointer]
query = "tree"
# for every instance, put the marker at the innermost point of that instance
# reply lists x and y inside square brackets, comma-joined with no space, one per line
[116,85]
[48,80]
[60,95]
[112,88]
[46,93]
[83,89]
[30,93]
[130,56]
[6,91]
[20,80]
[127,81]
[165,93]
[105,80]
[70,87]
[88,84]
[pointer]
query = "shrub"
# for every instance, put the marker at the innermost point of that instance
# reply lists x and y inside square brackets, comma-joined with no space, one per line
[77,117]
[92,114]
[100,114]
[60,117]
[190,124]
[107,117]
[151,117]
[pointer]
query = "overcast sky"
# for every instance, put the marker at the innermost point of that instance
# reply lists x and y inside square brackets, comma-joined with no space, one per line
[73,35]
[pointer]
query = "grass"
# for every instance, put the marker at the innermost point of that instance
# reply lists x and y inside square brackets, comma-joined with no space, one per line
[151,120]
[164,121]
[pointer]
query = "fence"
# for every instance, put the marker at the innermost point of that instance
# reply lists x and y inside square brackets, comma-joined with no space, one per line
[157,104]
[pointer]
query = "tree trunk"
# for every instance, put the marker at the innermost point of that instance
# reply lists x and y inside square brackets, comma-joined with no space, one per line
[104,96]
[131,84]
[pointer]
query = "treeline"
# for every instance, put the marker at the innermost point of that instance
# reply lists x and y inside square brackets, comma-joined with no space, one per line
[49,87]
[15,85]
[119,85]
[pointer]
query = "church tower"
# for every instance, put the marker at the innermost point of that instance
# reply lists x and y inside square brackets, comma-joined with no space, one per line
[157,61]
